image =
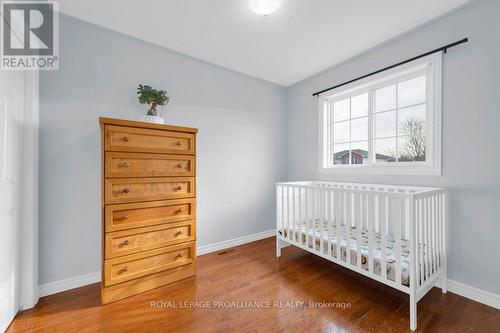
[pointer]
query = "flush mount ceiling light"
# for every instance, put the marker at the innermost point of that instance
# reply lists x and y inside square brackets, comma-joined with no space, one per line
[264,7]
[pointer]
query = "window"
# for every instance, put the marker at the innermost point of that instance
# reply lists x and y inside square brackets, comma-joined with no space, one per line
[389,123]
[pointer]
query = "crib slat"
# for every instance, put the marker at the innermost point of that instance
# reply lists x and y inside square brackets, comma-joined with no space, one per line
[415,248]
[311,218]
[298,219]
[278,210]
[409,224]
[282,210]
[287,217]
[444,223]
[384,216]
[412,218]
[322,220]
[421,240]
[337,207]
[310,231]
[440,231]
[397,240]
[431,236]
[424,237]
[434,232]
[428,236]
[294,206]
[292,215]
[340,231]
[298,222]
[429,233]
[314,216]
[347,226]
[324,214]
[342,221]
[306,224]
[370,232]
[359,226]
[329,215]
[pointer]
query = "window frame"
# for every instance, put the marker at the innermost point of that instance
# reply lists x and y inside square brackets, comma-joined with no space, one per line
[431,66]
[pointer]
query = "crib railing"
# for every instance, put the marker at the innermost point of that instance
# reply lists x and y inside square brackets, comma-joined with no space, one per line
[394,234]
[430,237]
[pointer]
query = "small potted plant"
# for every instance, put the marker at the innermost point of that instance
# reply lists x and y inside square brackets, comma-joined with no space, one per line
[153,98]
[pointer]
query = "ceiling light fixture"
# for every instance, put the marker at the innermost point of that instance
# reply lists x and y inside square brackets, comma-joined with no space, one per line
[264,7]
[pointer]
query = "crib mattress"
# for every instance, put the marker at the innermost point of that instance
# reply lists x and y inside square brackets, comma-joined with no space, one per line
[315,232]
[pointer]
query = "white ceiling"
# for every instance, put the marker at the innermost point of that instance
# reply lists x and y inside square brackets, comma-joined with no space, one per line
[302,38]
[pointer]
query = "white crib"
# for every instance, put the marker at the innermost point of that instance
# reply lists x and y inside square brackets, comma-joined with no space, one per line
[393,234]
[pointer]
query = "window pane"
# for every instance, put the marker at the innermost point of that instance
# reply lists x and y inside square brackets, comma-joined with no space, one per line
[385,124]
[341,132]
[411,148]
[411,92]
[341,110]
[385,98]
[359,106]
[341,154]
[411,118]
[385,150]
[359,129]
[359,152]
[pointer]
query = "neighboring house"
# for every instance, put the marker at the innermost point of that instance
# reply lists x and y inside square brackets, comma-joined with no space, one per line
[359,156]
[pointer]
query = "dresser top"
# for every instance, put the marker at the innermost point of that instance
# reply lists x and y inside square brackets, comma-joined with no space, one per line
[140,124]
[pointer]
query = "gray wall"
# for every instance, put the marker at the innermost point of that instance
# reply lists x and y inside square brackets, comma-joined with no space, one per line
[471,135]
[254,133]
[241,141]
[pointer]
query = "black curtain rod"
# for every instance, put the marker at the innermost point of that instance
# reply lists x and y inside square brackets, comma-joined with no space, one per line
[443,48]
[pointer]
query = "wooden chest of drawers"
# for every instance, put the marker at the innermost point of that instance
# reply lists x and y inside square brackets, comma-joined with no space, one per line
[148,206]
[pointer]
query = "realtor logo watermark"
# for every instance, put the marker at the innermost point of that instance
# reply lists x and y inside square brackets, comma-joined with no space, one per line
[30,35]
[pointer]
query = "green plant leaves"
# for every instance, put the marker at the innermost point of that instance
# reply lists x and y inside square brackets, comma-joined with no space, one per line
[149,95]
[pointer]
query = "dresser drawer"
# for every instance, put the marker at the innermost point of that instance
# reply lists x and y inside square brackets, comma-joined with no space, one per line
[148,165]
[136,215]
[121,138]
[132,241]
[123,190]
[134,266]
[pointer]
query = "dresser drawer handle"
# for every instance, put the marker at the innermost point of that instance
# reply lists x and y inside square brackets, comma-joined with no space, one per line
[123,270]
[125,190]
[178,211]
[178,233]
[125,138]
[178,143]
[125,165]
[178,188]
[124,243]
[178,256]
[121,218]
[179,165]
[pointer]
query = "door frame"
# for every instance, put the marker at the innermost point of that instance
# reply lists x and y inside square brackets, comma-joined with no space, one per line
[28,291]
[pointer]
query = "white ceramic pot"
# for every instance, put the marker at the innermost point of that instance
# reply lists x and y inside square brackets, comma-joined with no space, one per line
[153,119]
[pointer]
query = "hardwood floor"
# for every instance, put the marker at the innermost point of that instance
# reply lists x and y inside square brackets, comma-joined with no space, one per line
[252,273]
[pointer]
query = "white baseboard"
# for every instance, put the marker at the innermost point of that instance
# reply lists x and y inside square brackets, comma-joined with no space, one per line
[234,242]
[67,284]
[83,280]
[474,294]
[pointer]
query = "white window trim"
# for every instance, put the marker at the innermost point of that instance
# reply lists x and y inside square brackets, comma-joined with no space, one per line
[432,65]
